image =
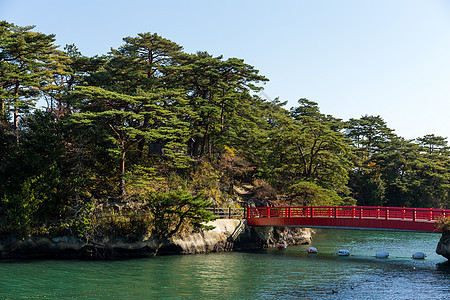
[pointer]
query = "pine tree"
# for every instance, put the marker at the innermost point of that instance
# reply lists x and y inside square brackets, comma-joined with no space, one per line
[29,60]
[126,120]
[216,89]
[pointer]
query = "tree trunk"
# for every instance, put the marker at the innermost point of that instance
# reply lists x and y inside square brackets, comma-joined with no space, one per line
[222,115]
[205,137]
[16,115]
[122,174]
[194,145]
[142,140]
[16,125]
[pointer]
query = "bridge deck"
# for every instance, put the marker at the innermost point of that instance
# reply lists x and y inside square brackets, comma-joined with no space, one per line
[362,217]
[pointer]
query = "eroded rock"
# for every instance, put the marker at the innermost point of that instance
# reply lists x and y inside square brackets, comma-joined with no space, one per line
[443,247]
[228,235]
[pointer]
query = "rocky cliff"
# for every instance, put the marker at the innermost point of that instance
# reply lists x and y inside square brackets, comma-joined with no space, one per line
[234,235]
[443,247]
[228,235]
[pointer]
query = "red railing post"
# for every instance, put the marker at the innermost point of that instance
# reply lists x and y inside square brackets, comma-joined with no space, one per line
[411,215]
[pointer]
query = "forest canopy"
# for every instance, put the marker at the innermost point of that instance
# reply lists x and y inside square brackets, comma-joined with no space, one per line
[149,120]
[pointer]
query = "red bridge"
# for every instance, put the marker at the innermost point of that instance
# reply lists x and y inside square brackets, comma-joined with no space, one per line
[348,217]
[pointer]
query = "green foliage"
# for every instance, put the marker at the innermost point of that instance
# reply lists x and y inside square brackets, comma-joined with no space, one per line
[443,223]
[216,89]
[37,162]
[30,64]
[35,203]
[304,146]
[21,208]
[83,222]
[129,122]
[206,179]
[308,193]
[91,224]
[171,211]
[149,119]
[395,172]
[133,226]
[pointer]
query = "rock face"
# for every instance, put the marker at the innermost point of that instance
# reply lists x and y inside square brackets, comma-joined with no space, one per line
[228,235]
[216,240]
[235,235]
[443,247]
[41,247]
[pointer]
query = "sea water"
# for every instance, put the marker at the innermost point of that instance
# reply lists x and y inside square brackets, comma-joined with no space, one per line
[264,274]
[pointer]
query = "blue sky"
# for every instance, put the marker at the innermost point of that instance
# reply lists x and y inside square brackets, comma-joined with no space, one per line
[387,58]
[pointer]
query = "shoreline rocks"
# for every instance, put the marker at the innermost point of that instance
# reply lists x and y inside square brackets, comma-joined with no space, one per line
[228,235]
[443,247]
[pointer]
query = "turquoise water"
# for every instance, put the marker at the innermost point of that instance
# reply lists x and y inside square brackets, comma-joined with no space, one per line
[265,274]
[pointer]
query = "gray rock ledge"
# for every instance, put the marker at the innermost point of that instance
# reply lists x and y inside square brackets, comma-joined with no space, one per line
[228,235]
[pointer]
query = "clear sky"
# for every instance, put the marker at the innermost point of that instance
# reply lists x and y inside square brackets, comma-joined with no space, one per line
[352,57]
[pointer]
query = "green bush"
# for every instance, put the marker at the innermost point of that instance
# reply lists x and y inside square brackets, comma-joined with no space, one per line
[21,209]
[443,223]
[171,211]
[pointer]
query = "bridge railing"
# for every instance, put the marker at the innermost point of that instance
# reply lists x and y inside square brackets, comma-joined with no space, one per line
[362,212]
[228,212]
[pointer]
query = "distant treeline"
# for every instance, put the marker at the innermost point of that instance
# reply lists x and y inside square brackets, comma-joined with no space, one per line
[148,118]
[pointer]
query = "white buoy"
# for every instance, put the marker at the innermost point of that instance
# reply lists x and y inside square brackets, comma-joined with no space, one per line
[382,254]
[419,255]
[311,250]
[343,252]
